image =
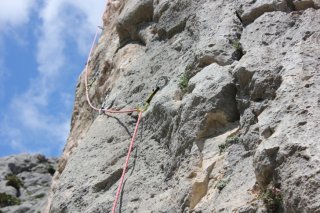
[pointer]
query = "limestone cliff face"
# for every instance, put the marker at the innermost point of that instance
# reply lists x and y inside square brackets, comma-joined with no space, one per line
[234,130]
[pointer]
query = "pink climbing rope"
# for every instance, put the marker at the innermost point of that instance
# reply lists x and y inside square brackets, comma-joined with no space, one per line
[126,164]
[86,83]
[112,111]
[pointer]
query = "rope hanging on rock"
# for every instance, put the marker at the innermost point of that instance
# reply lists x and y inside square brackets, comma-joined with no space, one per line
[112,111]
[162,81]
[86,83]
[160,84]
[126,164]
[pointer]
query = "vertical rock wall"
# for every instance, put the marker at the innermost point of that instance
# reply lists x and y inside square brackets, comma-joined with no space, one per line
[234,129]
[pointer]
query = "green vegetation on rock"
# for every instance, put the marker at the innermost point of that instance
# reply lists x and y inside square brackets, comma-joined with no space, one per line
[51,170]
[184,82]
[237,45]
[272,198]
[229,142]
[38,196]
[8,200]
[222,183]
[14,181]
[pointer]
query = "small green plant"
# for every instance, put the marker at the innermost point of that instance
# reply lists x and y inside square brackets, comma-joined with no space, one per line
[272,198]
[8,200]
[237,45]
[222,147]
[222,183]
[51,170]
[184,82]
[14,181]
[189,67]
[38,196]
[229,142]
[232,140]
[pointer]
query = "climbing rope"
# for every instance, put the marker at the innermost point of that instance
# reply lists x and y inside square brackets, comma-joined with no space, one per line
[126,164]
[160,84]
[86,82]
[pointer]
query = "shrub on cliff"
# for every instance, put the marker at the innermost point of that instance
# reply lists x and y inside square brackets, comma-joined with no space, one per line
[8,200]
[51,170]
[14,181]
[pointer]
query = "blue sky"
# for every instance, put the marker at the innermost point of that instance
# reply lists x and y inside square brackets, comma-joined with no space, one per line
[43,49]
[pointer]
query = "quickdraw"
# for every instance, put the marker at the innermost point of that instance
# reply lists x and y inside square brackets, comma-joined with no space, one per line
[162,82]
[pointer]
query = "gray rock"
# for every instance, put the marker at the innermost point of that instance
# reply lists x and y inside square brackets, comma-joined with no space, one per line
[240,71]
[134,14]
[19,209]
[204,114]
[251,10]
[32,170]
[9,190]
[305,4]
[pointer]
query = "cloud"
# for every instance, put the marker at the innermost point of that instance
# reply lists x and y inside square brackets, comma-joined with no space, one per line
[75,20]
[63,22]
[15,12]
[12,15]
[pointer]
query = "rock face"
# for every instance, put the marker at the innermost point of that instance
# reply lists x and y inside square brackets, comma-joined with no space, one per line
[235,129]
[24,182]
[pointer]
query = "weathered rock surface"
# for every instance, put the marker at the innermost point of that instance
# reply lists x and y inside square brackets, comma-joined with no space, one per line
[233,130]
[35,173]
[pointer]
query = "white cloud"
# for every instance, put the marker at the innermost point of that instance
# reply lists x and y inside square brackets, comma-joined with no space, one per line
[15,12]
[72,19]
[12,14]
[62,21]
